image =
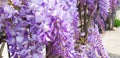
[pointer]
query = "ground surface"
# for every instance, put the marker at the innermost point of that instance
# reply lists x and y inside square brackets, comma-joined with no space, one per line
[111,41]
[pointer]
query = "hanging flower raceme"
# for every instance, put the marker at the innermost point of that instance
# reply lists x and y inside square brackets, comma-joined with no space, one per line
[63,16]
[104,6]
[96,16]
[95,42]
[30,25]
[113,5]
[21,29]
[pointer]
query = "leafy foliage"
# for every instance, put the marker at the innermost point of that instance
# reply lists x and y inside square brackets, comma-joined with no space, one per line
[117,22]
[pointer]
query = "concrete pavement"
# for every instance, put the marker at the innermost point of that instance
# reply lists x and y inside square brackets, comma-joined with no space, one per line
[111,41]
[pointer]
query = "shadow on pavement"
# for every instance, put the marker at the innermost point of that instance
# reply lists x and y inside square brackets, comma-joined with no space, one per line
[114,55]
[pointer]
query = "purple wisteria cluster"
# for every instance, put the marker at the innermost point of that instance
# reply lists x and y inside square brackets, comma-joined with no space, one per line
[104,6]
[29,25]
[113,5]
[32,26]
[95,41]
[21,27]
[96,11]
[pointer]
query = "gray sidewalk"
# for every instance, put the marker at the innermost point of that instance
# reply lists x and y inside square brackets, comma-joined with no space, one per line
[111,41]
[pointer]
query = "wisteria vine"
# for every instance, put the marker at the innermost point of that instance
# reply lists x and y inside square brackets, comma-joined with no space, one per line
[54,28]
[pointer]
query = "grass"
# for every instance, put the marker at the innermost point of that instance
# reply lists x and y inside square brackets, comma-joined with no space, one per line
[117,22]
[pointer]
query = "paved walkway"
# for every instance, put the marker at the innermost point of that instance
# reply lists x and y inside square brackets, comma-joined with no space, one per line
[111,41]
[118,14]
